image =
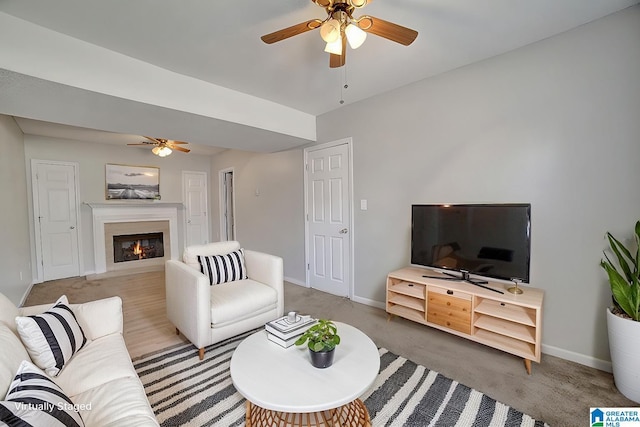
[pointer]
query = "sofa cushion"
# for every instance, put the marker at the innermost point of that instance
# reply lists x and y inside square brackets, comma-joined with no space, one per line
[53,337]
[121,402]
[8,313]
[190,255]
[34,399]
[13,353]
[101,361]
[223,268]
[234,301]
[100,317]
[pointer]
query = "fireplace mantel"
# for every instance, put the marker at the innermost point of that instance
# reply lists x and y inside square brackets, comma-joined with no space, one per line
[121,203]
[114,212]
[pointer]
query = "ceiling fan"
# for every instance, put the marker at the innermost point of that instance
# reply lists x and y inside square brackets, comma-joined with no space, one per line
[340,27]
[163,147]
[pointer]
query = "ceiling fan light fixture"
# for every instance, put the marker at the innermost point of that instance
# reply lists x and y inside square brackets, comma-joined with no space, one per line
[358,3]
[330,30]
[161,151]
[334,47]
[355,36]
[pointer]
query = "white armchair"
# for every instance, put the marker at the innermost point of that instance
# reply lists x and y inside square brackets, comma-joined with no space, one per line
[208,314]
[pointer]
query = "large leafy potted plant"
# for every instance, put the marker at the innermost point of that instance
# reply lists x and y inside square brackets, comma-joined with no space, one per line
[322,340]
[623,318]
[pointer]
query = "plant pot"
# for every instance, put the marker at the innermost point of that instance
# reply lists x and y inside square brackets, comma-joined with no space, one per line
[322,359]
[624,346]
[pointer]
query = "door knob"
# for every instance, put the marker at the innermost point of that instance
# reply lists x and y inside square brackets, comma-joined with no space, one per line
[72,228]
[344,231]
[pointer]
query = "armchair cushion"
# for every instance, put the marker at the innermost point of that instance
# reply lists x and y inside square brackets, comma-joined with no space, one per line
[223,268]
[235,301]
[190,255]
[53,337]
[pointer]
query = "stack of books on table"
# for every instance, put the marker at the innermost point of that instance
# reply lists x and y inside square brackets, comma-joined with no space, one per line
[284,332]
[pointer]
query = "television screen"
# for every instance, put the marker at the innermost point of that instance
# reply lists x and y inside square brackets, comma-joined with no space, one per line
[486,240]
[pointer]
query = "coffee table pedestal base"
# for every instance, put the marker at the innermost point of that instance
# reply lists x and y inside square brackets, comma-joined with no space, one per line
[352,414]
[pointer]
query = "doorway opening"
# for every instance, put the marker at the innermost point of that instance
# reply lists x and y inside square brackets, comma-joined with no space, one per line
[227,205]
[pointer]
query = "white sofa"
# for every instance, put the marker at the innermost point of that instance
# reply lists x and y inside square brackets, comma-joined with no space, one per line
[100,376]
[208,314]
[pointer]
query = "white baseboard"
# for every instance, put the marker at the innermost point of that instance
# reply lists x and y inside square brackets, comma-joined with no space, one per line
[26,294]
[370,302]
[582,359]
[295,282]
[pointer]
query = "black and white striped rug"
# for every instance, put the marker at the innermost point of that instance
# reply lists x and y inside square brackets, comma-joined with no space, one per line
[185,391]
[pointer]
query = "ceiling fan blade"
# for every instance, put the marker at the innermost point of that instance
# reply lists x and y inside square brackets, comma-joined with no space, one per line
[388,30]
[336,61]
[294,30]
[171,141]
[153,140]
[184,150]
[142,143]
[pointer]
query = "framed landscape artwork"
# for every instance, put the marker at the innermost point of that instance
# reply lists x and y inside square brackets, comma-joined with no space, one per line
[132,182]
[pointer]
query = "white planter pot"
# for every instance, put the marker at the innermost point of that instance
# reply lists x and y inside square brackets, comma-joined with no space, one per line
[624,345]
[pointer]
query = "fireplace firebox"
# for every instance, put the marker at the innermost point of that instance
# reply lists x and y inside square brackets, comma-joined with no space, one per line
[134,247]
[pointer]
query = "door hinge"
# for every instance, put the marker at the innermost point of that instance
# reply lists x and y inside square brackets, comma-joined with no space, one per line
[308,267]
[306,166]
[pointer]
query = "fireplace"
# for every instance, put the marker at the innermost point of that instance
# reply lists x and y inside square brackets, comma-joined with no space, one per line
[135,222]
[134,247]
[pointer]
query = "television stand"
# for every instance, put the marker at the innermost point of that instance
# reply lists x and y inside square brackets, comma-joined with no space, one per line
[464,278]
[505,321]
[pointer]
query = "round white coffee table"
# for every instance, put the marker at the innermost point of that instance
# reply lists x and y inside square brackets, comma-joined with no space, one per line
[283,388]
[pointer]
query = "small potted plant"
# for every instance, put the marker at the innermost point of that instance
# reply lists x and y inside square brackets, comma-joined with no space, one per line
[322,340]
[623,319]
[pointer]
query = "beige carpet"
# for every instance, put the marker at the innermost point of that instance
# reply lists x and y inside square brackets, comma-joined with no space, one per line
[558,392]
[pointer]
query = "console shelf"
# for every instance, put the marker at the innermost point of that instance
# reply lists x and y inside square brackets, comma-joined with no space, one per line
[508,322]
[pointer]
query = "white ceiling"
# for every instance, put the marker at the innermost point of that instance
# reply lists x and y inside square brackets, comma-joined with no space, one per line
[218,42]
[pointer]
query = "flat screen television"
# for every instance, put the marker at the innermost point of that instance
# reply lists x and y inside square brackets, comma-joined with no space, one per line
[485,240]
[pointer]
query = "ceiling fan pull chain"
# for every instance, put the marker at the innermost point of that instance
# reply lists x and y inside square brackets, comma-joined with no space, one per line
[344,86]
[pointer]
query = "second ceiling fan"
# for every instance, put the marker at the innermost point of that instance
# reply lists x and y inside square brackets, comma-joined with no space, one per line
[163,147]
[341,27]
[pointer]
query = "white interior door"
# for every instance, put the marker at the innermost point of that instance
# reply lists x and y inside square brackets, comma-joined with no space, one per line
[328,206]
[194,196]
[56,219]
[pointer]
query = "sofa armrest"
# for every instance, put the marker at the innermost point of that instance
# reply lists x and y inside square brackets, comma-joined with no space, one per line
[267,269]
[96,318]
[188,302]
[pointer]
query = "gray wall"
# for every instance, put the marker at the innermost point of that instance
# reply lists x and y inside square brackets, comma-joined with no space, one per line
[555,124]
[92,158]
[15,266]
[272,219]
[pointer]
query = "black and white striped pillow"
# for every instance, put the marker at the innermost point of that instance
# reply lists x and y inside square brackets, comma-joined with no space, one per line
[53,337]
[223,268]
[35,400]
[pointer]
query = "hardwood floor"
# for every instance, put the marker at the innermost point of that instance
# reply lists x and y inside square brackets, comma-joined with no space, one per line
[146,328]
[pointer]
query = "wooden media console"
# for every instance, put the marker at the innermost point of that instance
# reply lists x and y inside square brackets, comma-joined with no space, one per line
[505,321]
